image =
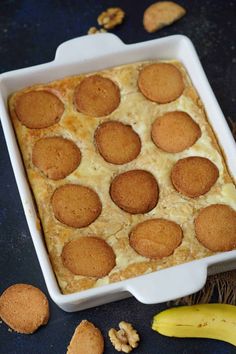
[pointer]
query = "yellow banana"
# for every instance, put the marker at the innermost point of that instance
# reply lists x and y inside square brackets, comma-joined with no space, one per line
[216,321]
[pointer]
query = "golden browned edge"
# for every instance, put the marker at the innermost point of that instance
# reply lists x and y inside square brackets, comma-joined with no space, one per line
[192,93]
[134,269]
[215,142]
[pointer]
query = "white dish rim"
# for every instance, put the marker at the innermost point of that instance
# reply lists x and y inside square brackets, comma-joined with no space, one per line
[97,52]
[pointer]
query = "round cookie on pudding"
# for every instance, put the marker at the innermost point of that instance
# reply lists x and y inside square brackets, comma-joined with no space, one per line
[161,82]
[38,109]
[117,143]
[194,176]
[88,256]
[215,227]
[175,132]
[56,157]
[135,191]
[96,96]
[156,238]
[75,205]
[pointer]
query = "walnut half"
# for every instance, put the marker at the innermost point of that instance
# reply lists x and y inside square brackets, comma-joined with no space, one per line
[125,339]
[94,30]
[111,17]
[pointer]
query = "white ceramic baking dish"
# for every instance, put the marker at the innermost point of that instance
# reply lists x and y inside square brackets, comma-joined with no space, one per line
[91,53]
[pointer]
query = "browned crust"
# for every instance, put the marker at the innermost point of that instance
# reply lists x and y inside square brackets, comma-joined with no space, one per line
[191,93]
[216,144]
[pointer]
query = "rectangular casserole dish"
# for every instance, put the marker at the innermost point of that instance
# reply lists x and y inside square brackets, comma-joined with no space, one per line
[92,53]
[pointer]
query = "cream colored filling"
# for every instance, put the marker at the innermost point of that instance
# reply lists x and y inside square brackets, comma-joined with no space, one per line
[113,224]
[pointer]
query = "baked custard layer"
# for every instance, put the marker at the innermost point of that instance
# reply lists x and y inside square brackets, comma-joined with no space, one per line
[111,223]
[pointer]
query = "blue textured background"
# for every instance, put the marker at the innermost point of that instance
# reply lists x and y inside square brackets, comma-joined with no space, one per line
[30,32]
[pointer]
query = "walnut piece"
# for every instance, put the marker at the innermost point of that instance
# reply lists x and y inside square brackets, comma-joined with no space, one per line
[94,30]
[111,17]
[125,339]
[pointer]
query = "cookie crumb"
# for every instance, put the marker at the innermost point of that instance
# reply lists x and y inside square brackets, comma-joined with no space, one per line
[95,30]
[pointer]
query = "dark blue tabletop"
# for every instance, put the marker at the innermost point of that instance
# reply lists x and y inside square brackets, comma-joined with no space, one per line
[30,32]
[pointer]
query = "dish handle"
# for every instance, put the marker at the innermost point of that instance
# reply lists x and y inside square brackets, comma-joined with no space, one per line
[87,47]
[168,284]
